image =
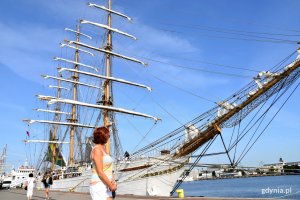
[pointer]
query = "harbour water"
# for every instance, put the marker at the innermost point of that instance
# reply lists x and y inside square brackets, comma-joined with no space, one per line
[285,187]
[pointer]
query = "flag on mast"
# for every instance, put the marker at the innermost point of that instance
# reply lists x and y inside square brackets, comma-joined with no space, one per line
[28,134]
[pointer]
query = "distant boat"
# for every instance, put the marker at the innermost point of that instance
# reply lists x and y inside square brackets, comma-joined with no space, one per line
[18,176]
[3,164]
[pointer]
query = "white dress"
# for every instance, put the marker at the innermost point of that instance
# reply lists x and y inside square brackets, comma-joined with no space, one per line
[30,186]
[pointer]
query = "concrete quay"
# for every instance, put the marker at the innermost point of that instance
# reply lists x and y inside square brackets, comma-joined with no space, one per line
[19,194]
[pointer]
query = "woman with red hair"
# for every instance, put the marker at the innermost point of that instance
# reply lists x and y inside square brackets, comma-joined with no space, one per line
[102,183]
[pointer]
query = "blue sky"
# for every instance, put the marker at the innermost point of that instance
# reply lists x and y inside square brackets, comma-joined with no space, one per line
[171,31]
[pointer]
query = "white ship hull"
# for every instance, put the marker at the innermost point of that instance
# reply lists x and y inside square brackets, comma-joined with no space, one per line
[74,184]
[160,185]
[150,181]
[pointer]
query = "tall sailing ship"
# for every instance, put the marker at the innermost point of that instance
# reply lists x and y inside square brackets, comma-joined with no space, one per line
[3,164]
[159,167]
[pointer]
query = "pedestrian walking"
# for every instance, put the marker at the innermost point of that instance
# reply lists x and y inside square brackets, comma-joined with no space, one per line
[47,181]
[29,184]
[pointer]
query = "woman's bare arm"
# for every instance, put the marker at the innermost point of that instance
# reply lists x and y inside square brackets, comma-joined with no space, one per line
[98,159]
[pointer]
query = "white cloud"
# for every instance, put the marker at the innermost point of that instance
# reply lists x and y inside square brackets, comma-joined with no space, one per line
[25,48]
[153,41]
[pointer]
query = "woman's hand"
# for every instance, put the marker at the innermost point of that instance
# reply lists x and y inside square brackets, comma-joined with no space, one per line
[113,186]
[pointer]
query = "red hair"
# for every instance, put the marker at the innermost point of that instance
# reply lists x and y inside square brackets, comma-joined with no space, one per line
[101,135]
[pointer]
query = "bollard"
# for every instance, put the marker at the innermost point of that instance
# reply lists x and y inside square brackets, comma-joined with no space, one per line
[180,193]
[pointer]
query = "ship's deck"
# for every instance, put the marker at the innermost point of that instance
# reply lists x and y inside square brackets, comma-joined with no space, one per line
[16,194]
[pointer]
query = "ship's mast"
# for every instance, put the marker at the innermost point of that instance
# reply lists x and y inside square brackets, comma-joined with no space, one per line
[74,117]
[54,134]
[106,101]
[107,83]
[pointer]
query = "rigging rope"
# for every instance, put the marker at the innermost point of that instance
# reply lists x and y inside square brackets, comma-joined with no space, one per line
[270,40]
[233,131]
[278,65]
[137,130]
[231,30]
[235,32]
[144,137]
[262,117]
[271,120]
[253,22]
[201,61]
[251,32]
[185,174]
[259,124]
[186,91]
[199,69]
[274,101]
[247,35]
[237,137]
[166,111]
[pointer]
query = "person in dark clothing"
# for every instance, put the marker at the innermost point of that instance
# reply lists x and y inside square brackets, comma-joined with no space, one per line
[47,181]
[126,155]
